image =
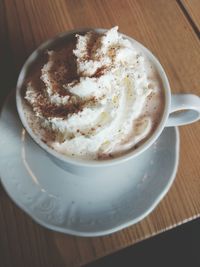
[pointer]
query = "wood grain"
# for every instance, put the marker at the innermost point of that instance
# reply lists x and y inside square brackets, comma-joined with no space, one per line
[165,30]
[192,7]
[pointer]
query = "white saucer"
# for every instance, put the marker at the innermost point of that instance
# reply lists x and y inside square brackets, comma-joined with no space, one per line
[84,206]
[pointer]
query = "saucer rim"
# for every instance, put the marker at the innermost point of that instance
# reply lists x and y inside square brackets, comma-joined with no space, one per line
[113,229]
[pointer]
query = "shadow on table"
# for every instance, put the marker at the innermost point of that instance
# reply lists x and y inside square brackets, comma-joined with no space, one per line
[177,247]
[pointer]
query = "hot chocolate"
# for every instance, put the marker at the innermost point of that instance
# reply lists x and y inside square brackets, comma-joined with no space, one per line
[96,96]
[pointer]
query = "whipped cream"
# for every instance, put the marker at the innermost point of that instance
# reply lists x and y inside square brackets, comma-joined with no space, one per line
[100,103]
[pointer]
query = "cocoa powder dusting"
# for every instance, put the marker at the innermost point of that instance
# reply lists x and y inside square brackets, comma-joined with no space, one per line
[99,72]
[63,70]
[50,110]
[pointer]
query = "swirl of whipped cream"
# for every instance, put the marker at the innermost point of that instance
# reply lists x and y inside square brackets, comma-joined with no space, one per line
[93,96]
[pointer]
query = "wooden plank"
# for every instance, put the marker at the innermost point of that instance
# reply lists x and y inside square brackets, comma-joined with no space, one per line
[164,29]
[192,8]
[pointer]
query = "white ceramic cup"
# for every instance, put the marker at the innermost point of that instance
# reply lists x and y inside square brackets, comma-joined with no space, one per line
[187,103]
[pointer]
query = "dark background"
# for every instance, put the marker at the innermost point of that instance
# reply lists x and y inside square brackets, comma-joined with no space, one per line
[174,248]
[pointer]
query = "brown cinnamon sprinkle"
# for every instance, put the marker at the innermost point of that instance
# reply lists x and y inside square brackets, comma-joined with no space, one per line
[99,72]
[50,110]
[62,72]
[93,42]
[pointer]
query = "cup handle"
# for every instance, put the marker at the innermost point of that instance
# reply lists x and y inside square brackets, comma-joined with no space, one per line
[185,109]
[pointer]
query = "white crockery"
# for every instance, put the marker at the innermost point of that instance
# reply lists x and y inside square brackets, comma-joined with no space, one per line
[187,102]
[110,200]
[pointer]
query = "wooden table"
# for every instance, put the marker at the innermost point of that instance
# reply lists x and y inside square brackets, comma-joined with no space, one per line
[170,29]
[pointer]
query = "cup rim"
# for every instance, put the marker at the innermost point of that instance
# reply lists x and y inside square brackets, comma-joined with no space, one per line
[85,162]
